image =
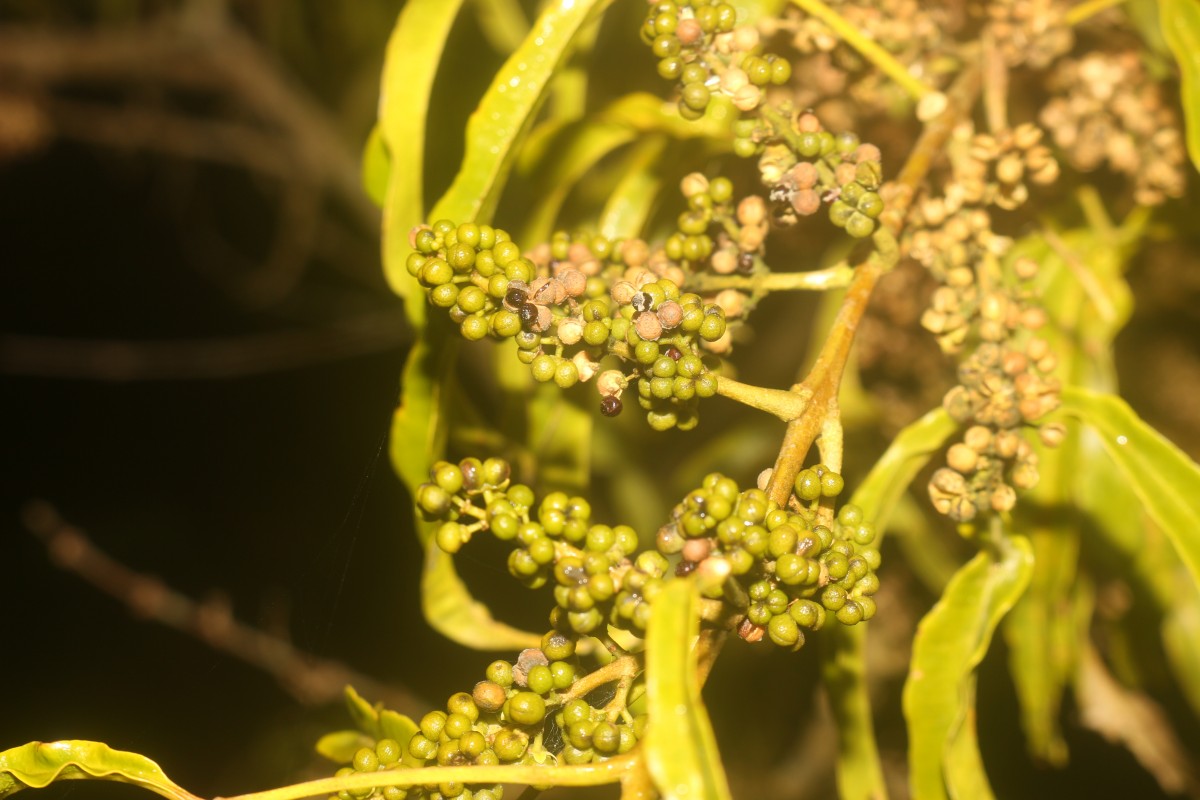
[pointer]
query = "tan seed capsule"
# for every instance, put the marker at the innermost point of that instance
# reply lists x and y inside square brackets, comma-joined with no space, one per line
[611,382]
[731,82]
[747,98]
[647,326]
[725,262]
[1003,498]
[1006,443]
[696,549]
[1010,169]
[1025,476]
[1037,349]
[962,509]
[733,301]
[688,31]
[764,478]
[584,366]
[808,123]
[694,183]
[948,481]
[1033,318]
[570,330]
[622,292]
[978,438]
[635,252]
[752,210]
[1026,135]
[1047,363]
[544,319]
[1025,268]
[806,202]
[745,38]
[962,458]
[804,175]
[845,173]
[574,282]
[867,152]
[670,314]
[1014,363]
[1052,434]
[579,252]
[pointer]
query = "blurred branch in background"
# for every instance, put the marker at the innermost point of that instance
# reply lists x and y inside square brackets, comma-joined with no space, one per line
[196,88]
[311,680]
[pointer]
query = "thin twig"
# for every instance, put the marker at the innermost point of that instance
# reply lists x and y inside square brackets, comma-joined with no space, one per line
[310,679]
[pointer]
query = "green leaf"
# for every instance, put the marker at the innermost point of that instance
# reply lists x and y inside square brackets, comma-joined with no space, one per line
[859,772]
[951,641]
[451,610]
[38,764]
[409,68]
[376,166]
[340,746]
[843,670]
[680,749]
[364,715]
[634,197]
[1164,479]
[1043,640]
[504,115]
[908,454]
[503,23]
[1181,28]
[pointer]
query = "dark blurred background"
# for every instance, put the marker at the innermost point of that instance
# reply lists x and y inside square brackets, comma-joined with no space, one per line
[199,360]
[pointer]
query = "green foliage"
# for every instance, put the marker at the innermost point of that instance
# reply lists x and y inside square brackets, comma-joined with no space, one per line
[644,296]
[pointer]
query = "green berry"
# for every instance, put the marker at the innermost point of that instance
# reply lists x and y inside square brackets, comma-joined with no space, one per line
[784,631]
[526,708]
[540,679]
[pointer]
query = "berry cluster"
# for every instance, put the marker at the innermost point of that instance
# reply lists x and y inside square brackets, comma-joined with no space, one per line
[784,560]
[788,569]
[567,314]
[806,165]
[698,45]
[522,712]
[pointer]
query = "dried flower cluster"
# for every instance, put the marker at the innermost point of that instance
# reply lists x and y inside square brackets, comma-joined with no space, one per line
[1107,110]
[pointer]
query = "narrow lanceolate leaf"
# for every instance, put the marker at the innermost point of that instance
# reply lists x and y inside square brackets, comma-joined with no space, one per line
[843,670]
[909,452]
[410,65]
[1164,479]
[680,749]
[859,772]
[1180,21]
[503,117]
[451,610]
[950,643]
[38,764]
[635,196]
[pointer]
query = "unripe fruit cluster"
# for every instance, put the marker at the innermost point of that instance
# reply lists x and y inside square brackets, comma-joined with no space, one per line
[567,314]
[807,166]
[799,567]
[790,570]
[698,45]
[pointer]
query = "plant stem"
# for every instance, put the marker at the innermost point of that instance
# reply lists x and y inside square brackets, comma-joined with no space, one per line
[819,280]
[869,49]
[621,668]
[610,771]
[786,405]
[820,386]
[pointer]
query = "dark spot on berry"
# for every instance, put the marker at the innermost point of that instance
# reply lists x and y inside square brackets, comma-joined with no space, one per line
[528,313]
[610,406]
[642,301]
[685,568]
[674,352]
[745,262]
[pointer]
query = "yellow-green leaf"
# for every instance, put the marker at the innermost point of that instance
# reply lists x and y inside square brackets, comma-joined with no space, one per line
[340,746]
[859,772]
[951,641]
[680,749]
[508,108]
[1181,28]
[843,670]
[376,166]
[451,610]
[410,65]
[909,452]
[636,195]
[38,764]
[1161,475]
